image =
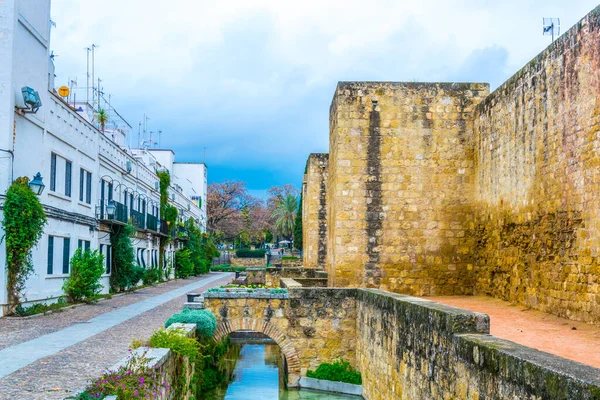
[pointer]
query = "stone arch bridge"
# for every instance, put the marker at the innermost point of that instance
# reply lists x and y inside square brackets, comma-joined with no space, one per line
[310,326]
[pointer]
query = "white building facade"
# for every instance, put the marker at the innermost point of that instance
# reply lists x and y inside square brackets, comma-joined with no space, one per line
[83,168]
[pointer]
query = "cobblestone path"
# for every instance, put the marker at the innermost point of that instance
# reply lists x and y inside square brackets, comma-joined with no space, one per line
[55,355]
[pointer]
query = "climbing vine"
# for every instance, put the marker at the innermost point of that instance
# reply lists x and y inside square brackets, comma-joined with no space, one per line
[165,181]
[125,272]
[23,224]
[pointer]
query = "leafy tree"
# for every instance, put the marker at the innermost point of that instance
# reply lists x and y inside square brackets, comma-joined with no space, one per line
[87,268]
[285,215]
[184,268]
[224,204]
[102,118]
[23,224]
[298,226]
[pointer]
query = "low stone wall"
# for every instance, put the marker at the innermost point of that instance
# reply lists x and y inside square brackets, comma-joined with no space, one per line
[165,362]
[255,276]
[411,348]
[248,262]
[292,263]
[300,272]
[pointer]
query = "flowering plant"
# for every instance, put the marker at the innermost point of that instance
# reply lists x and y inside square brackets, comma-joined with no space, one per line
[132,381]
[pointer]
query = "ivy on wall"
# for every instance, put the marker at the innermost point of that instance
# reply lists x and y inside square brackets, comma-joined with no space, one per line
[125,271]
[23,224]
[165,181]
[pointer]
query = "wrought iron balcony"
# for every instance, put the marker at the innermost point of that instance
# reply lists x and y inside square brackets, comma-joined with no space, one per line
[151,222]
[138,220]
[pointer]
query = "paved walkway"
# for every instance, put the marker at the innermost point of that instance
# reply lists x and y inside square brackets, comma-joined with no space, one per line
[53,356]
[565,338]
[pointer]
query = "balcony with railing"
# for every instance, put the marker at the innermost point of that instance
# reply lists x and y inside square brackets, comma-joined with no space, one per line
[151,222]
[138,220]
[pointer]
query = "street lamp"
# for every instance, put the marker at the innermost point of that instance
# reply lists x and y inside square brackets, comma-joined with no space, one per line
[36,185]
[110,209]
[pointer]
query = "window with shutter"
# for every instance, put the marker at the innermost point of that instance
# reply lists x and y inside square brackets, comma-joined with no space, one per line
[68,166]
[50,270]
[53,172]
[108,259]
[66,252]
[88,193]
[87,245]
[81,183]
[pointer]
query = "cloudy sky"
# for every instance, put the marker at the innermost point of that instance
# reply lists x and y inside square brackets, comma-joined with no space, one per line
[252,80]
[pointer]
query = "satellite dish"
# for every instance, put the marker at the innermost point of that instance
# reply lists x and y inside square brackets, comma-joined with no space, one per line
[63,91]
[551,27]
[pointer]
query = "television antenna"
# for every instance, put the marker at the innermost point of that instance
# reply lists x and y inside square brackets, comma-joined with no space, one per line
[551,26]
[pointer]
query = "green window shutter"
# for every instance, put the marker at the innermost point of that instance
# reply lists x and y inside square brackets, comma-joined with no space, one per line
[68,166]
[81,183]
[66,252]
[50,255]
[88,193]
[79,243]
[87,245]
[53,172]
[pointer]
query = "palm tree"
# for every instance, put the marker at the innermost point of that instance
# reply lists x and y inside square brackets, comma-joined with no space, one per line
[285,215]
[102,118]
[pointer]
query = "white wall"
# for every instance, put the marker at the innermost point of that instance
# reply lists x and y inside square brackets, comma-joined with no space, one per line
[192,178]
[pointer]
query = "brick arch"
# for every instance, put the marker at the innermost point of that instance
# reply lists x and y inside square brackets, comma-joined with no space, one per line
[285,344]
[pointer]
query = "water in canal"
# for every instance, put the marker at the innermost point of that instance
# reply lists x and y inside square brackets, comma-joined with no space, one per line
[257,374]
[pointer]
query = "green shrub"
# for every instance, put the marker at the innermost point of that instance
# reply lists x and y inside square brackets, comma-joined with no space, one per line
[247,253]
[40,308]
[339,371]
[176,340]
[87,268]
[290,258]
[205,321]
[184,266]
[151,276]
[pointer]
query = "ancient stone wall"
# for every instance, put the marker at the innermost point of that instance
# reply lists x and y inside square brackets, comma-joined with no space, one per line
[314,211]
[400,181]
[537,181]
[411,348]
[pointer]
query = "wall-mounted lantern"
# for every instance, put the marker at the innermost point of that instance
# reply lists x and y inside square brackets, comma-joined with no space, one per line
[36,184]
[110,209]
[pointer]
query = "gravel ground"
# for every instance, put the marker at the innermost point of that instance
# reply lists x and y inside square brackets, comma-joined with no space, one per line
[67,371]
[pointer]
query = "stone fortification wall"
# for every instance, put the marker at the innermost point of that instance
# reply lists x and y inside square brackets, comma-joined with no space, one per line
[411,348]
[400,181]
[537,181]
[314,211]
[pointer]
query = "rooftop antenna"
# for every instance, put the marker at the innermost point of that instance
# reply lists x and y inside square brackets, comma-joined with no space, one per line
[551,27]
[93,84]
[139,129]
[159,135]
[87,85]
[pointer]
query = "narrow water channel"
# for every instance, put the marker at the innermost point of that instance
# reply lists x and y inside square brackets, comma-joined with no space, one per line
[257,374]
